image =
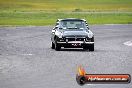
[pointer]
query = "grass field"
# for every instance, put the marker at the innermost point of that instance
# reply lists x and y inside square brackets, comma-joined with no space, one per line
[45,12]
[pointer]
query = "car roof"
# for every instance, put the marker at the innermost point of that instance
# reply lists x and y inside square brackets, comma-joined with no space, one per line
[72,19]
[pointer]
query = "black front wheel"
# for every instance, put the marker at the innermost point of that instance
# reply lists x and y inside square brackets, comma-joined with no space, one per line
[85,47]
[91,47]
[57,47]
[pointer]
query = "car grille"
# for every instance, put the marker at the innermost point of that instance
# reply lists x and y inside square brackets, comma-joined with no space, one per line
[75,38]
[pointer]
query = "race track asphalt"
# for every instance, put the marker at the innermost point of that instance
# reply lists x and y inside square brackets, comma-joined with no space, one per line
[27,60]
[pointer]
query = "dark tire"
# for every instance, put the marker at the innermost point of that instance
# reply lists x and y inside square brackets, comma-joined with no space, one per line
[91,47]
[85,47]
[53,46]
[57,47]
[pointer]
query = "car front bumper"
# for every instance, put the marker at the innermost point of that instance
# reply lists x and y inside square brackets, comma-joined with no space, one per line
[75,42]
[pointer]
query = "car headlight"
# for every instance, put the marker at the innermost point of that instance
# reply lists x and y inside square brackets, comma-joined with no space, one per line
[59,34]
[90,39]
[61,39]
[90,34]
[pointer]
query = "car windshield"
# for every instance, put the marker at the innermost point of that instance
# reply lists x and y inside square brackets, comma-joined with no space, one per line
[73,24]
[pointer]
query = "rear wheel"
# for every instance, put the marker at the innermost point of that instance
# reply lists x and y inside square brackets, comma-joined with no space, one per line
[91,47]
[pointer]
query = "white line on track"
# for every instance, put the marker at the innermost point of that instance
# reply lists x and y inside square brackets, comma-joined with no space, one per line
[117,24]
[128,43]
[27,54]
[89,84]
